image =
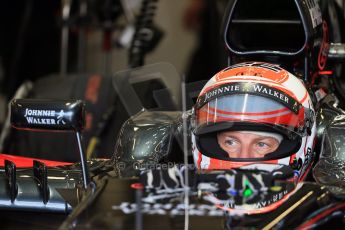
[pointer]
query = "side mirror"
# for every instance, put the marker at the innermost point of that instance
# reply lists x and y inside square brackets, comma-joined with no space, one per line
[54,115]
[33,114]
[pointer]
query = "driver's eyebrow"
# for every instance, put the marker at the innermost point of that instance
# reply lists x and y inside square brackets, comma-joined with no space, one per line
[265,138]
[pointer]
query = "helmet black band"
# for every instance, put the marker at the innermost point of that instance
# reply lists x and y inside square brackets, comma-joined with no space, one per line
[209,147]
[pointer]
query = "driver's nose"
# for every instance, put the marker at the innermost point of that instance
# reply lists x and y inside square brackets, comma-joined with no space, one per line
[246,151]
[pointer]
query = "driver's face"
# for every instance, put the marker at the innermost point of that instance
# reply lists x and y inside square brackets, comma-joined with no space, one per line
[246,145]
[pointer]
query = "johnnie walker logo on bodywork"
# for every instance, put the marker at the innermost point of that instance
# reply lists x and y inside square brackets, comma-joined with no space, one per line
[44,117]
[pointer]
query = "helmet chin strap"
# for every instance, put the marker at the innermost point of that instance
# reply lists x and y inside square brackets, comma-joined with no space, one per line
[276,136]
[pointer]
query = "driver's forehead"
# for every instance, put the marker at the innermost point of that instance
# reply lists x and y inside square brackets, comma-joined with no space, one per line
[244,135]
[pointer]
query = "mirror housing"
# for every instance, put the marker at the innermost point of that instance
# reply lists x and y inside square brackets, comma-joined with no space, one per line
[38,114]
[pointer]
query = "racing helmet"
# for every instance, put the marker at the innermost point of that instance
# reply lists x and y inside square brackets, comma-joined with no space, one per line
[259,97]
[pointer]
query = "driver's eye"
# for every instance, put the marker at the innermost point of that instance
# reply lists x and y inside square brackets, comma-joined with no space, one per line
[230,142]
[262,145]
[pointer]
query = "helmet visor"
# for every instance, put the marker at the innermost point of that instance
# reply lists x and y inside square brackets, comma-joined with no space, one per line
[230,111]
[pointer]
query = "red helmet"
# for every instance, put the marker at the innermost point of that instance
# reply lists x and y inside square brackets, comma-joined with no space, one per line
[255,97]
